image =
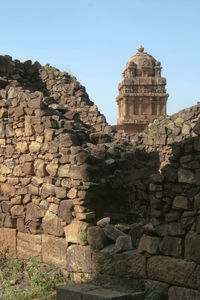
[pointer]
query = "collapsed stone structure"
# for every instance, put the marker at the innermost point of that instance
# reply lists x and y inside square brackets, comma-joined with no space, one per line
[142,95]
[63,168]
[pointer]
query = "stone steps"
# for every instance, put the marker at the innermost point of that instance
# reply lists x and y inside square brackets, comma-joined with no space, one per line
[93,292]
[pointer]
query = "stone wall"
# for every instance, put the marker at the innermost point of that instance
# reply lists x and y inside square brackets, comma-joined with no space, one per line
[63,168]
[61,164]
[164,131]
[162,250]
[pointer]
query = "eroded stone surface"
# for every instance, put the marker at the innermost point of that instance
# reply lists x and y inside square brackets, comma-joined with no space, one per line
[29,245]
[75,232]
[173,271]
[79,258]
[54,250]
[8,242]
[179,293]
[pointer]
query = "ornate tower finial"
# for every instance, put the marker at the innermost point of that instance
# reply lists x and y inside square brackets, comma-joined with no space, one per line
[140,48]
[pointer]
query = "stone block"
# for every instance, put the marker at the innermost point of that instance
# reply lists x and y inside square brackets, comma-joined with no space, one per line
[68,140]
[72,193]
[64,171]
[192,246]
[112,232]
[75,231]
[65,210]
[8,242]
[96,237]
[54,250]
[151,285]
[51,224]
[7,189]
[40,168]
[85,216]
[35,227]
[186,176]
[17,210]
[149,244]
[35,146]
[173,271]
[180,202]
[29,245]
[60,192]
[79,259]
[52,169]
[34,212]
[123,243]
[22,146]
[48,188]
[131,262]
[103,222]
[89,292]
[180,293]
[172,229]
[171,246]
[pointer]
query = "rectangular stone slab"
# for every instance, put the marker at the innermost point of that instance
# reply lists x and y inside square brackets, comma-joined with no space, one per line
[88,292]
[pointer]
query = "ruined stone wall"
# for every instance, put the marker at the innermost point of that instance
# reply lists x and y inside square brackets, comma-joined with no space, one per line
[164,131]
[163,250]
[61,164]
[63,168]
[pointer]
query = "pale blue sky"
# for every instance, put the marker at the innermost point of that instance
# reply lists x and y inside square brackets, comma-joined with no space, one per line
[93,39]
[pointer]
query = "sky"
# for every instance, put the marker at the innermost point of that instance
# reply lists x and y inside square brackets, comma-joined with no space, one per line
[93,39]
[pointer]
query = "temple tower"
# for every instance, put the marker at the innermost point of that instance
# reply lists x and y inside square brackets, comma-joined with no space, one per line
[142,94]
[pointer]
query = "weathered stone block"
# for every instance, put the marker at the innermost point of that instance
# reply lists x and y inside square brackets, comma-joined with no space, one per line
[192,246]
[51,224]
[54,250]
[88,292]
[173,271]
[17,210]
[72,193]
[64,171]
[22,147]
[8,242]
[60,192]
[96,237]
[186,176]
[7,189]
[149,244]
[65,210]
[151,285]
[112,232]
[68,139]
[123,243]
[103,222]
[75,231]
[79,258]
[52,169]
[33,190]
[171,246]
[35,146]
[35,227]
[180,202]
[172,229]
[34,212]
[28,245]
[179,293]
[84,216]
[48,188]
[40,168]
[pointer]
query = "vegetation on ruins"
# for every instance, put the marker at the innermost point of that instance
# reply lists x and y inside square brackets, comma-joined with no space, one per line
[28,279]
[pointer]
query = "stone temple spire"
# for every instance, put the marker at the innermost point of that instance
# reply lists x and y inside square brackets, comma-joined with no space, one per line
[142,95]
